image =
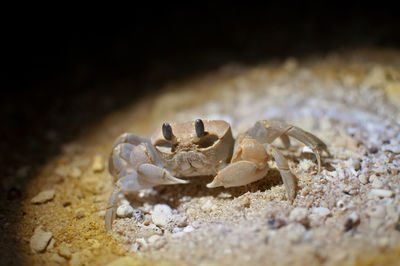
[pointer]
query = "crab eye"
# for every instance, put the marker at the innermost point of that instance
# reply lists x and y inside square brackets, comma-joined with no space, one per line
[199,127]
[167,131]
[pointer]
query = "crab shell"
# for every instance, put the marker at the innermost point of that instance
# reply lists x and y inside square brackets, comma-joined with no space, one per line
[188,155]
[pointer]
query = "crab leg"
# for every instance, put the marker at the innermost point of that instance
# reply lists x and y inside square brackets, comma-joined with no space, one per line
[136,140]
[289,180]
[130,138]
[267,131]
[118,162]
[111,208]
[285,140]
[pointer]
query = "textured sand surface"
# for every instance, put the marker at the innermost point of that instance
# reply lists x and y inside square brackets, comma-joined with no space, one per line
[347,214]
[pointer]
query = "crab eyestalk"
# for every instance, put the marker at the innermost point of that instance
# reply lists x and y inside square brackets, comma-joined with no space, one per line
[199,127]
[167,133]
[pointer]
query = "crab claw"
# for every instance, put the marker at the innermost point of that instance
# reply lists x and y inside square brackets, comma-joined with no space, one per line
[238,174]
[157,175]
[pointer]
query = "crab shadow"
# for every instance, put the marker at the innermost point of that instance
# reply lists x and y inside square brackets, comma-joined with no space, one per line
[197,188]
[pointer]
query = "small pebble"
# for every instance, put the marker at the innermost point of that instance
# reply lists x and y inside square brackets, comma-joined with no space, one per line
[306,165]
[142,242]
[124,211]
[98,164]
[382,193]
[373,150]
[62,171]
[363,178]
[147,219]
[154,229]
[306,149]
[94,243]
[188,229]
[160,243]
[153,239]
[224,195]
[64,251]
[321,211]
[245,202]
[196,224]
[180,221]
[377,183]
[208,206]
[161,215]
[80,213]
[298,215]
[372,178]
[40,240]
[75,172]
[57,258]
[124,202]
[43,196]
[340,204]
[295,232]
[355,163]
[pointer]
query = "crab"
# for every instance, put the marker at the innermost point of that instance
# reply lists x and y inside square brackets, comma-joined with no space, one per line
[203,148]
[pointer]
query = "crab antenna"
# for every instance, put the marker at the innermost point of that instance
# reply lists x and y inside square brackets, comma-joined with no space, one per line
[199,127]
[167,131]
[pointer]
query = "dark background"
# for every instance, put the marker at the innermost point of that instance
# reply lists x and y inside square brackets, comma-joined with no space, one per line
[65,71]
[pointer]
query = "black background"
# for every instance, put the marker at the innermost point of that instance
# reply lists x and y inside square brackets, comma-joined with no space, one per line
[66,67]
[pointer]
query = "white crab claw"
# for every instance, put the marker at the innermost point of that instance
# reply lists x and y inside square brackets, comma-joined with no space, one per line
[157,175]
[238,174]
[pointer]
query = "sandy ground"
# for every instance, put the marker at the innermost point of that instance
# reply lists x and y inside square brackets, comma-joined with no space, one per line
[347,214]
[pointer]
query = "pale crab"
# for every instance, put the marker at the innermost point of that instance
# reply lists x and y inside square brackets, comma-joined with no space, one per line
[203,148]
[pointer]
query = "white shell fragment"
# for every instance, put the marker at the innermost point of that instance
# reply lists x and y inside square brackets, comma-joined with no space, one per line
[383,193]
[43,196]
[124,211]
[321,211]
[162,215]
[298,215]
[40,240]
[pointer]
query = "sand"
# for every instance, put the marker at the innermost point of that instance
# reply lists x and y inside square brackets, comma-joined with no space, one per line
[348,214]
